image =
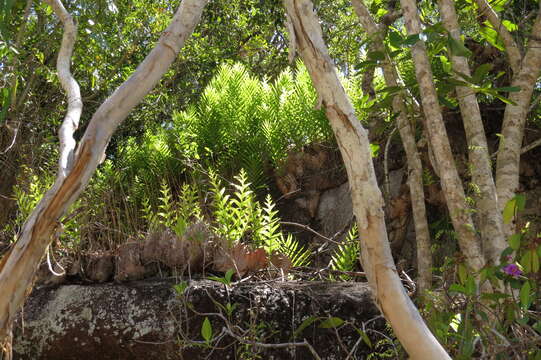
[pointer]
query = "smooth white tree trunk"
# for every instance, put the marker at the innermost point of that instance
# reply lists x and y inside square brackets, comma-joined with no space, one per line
[366,197]
[18,266]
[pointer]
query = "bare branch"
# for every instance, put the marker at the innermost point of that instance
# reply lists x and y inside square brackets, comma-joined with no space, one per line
[530,146]
[513,51]
[70,85]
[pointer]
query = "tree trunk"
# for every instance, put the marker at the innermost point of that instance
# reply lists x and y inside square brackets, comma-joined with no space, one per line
[450,181]
[366,197]
[415,180]
[489,214]
[514,121]
[18,266]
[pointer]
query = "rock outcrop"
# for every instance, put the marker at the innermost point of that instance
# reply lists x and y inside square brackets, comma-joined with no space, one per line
[150,320]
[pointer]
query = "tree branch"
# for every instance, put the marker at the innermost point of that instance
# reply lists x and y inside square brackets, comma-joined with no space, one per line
[70,85]
[513,51]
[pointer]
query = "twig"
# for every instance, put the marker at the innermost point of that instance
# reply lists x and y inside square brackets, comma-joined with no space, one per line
[272,346]
[310,230]
[530,146]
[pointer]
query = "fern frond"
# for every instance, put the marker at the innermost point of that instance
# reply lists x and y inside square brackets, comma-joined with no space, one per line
[346,255]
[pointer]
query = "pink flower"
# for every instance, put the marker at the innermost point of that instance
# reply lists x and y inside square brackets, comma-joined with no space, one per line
[512,269]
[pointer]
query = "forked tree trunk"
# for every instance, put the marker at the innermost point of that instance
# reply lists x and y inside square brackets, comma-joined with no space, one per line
[367,200]
[18,266]
[490,217]
[450,181]
[415,174]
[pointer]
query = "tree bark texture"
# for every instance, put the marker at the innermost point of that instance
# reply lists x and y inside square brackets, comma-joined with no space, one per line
[366,197]
[490,217]
[450,180]
[18,266]
[514,120]
[415,180]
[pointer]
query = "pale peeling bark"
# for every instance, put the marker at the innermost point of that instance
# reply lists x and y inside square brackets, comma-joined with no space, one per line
[69,84]
[450,181]
[514,121]
[415,180]
[490,222]
[513,51]
[17,268]
[366,197]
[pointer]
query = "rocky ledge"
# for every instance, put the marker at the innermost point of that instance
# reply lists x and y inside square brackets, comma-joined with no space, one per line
[152,320]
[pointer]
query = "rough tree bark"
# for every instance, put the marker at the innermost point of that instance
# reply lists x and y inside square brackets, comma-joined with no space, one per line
[490,217]
[450,181]
[18,266]
[415,181]
[367,200]
[514,119]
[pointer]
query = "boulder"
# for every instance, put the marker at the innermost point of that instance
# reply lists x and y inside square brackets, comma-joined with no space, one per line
[151,320]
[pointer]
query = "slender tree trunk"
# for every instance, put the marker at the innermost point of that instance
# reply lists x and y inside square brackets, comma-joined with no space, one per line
[17,267]
[450,181]
[489,214]
[366,197]
[514,120]
[415,180]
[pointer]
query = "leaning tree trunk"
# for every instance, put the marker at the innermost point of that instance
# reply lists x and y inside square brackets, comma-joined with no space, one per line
[352,139]
[18,266]
[450,181]
[415,174]
[490,217]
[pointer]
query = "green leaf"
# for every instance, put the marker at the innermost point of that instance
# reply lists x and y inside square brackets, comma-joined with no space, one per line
[376,55]
[457,288]
[307,322]
[457,48]
[481,71]
[509,210]
[505,100]
[445,63]
[491,35]
[411,39]
[462,273]
[514,241]
[525,295]
[331,322]
[471,286]
[365,337]
[395,39]
[526,262]
[229,275]
[521,202]
[179,288]
[510,25]
[206,330]
[444,101]
[508,88]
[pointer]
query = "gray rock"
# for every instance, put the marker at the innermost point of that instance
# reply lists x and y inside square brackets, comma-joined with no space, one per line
[148,320]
